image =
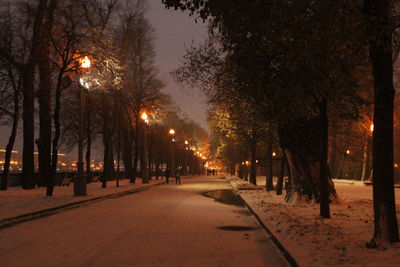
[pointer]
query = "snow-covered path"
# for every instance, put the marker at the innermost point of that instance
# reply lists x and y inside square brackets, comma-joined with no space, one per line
[169,225]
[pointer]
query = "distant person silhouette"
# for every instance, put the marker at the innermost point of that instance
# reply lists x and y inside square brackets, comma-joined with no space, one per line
[178,177]
[167,175]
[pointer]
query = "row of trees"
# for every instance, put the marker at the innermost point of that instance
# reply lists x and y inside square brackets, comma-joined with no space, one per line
[297,72]
[42,48]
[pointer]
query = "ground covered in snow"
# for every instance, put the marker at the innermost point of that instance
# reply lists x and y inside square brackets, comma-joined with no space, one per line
[16,201]
[313,241]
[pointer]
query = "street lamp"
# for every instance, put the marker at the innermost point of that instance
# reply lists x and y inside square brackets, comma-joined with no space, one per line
[145,167]
[172,163]
[80,181]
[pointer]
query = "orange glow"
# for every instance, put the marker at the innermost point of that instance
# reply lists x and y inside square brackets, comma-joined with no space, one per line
[348,152]
[171,131]
[273,154]
[145,117]
[85,63]
[371,128]
[186,142]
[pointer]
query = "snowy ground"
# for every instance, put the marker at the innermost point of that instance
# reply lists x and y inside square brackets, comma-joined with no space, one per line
[313,241]
[16,201]
[168,225]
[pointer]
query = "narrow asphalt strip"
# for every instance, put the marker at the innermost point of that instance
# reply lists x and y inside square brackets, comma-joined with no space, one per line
[286,254]
[12,221]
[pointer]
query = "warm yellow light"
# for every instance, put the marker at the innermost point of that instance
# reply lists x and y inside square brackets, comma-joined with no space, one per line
[347,151]
[273,154]
[257,161]
[85,63]
[186,142]
[396,165]
[371,128]
[171,131]
[145,117]
[14,151]
[247,162]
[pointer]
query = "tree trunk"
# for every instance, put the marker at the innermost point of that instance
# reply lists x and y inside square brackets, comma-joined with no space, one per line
[10,144]
[365,159]
[253,150]
[380,52]
[323,162]
[269,182]
[136,155]
[28,160]
[108,159]
[28,92]
[44,96]
[279,184]
[301,140]
[57,126]
[118,157]
[88,139]
[127,155]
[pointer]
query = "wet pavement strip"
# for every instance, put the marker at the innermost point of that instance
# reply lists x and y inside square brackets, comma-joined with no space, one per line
[9,222]
[227,196]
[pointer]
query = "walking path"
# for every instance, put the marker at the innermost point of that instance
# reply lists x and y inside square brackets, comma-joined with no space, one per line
[168,225]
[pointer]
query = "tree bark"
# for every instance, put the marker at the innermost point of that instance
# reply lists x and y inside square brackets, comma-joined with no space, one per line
[136,155]
[28,91]
[57,126]
[44,95]
[379,31]
[28,160]
[88,138]
[10,144]
[279,184]
[323,162]
[253,150]
[269,182]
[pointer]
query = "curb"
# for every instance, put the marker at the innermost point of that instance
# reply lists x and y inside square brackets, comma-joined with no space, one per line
[9,222]
[286,254]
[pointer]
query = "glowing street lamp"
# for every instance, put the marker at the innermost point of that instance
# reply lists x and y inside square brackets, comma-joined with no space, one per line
[80,182]
[145,117]
[145,167]
[85,63]
[172,162]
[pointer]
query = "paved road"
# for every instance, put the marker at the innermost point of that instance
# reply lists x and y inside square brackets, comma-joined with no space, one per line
[169,225]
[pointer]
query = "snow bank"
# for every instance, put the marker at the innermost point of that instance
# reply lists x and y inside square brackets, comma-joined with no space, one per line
[16,201]
[313,241]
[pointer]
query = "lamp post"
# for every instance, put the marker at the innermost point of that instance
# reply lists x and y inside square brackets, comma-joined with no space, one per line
[80,181]
[172,162]
[145,167]
[185,172]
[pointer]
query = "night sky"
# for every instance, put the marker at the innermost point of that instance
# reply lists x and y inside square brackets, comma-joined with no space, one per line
[175,30]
